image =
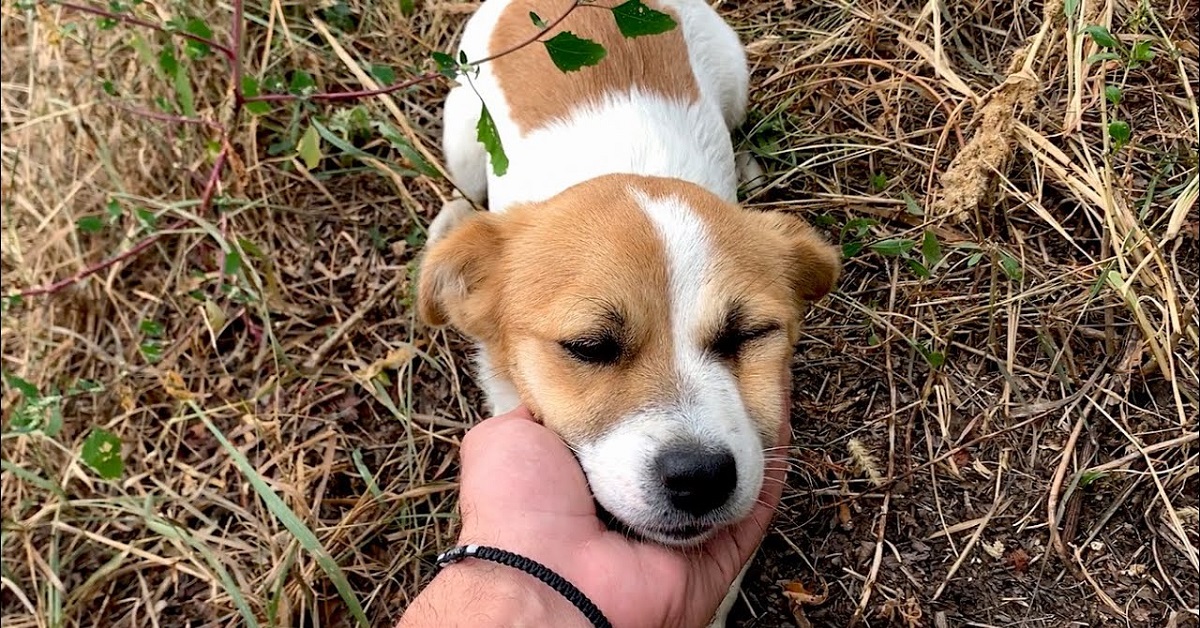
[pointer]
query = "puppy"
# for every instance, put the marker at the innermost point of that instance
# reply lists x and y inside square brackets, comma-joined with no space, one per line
[615,286]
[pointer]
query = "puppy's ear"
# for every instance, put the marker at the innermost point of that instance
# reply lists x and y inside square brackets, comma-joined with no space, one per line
[457,276]
[813,265]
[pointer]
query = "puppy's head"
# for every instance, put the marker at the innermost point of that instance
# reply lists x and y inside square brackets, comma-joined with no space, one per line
[651,325]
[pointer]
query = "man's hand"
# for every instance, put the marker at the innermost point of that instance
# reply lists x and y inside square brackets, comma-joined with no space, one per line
[523,491]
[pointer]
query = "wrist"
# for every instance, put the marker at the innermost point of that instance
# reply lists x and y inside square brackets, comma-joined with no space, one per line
[477,593]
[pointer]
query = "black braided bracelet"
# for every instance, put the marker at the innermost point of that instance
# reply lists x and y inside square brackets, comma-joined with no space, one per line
[533,568]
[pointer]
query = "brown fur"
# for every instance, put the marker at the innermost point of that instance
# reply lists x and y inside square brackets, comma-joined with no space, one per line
[538,92]
[521,281]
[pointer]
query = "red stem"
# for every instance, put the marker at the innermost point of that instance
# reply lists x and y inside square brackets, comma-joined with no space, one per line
[128,19]
[428,76]
[210,188]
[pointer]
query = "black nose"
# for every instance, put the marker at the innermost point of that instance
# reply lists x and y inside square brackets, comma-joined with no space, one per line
[697,480]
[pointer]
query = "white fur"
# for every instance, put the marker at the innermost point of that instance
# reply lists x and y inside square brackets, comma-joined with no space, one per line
[705,409]
[631,133]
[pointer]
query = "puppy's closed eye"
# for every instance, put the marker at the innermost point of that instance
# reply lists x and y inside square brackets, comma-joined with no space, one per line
[736,333]
[602,350]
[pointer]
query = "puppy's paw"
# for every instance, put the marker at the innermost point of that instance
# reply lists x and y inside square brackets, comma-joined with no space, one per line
[453,212]
[750,173]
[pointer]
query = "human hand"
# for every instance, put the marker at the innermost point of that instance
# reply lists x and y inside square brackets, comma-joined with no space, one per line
[523,491]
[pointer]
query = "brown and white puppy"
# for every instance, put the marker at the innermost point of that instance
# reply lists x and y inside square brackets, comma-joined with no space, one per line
[615,286]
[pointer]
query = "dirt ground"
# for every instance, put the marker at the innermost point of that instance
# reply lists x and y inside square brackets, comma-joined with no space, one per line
[219,408]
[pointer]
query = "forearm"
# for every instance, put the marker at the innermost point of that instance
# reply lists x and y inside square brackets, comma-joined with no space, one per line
[477,594]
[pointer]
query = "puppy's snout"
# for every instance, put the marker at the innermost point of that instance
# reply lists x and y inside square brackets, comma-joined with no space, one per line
[697,480]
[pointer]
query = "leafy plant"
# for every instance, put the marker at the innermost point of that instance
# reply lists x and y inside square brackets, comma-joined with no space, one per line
[102,452]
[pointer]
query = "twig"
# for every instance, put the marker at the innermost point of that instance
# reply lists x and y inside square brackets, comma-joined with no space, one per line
[314,359]
[996,509]
[95,268]
[167,117]
[428,76]
[210,188]
[128,19]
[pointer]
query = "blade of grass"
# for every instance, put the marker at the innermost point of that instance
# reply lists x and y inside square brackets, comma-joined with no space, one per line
[288,518]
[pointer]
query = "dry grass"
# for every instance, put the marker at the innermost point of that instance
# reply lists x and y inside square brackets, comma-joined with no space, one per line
[1009,441]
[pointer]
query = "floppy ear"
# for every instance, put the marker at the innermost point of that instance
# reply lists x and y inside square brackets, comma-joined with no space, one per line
[457,281]
[813,265]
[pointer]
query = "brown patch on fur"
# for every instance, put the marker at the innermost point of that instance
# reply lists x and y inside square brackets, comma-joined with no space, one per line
[538,92]
[525,280]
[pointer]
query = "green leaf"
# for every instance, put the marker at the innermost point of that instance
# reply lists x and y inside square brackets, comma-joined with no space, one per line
[251,248]
[1101,56]
[1120,133]
[302,83]
[24,387]
[446,64]
[250,90]
[406,149]
[309,148]
[113,209]
[935,358]
[197,27]
[918,268]
[1142,51]
[382,73]
[931,249]
[537,20]
[102,452]
[90,224]
[148,218]
[233,262]
[850,249]
[167,62]
[1113,94]
[365,472]
[1011,266]
[1101,36]
[407,7]
[893,246]
[108,88]
[635,19]
[145,55]
[911,206]
[570,53]
[183,92]
[1070,7]
[487,135]
[879,181]
[151,328]
[151,350]
[858,227]
[974,260]
[293,523]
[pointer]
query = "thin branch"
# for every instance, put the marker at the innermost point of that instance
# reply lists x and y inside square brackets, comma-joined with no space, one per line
[128,19]
[167,117]
[210,188]
[428,76]
[334,96]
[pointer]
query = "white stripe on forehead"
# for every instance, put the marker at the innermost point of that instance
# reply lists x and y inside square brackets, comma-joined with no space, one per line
[708,400]
[686,247]
[688,250]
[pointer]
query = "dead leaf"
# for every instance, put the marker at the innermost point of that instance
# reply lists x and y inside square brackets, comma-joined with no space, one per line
[1018,559]
[798,593]
[995,549]
[173,384]
[394,359]
[799,596]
